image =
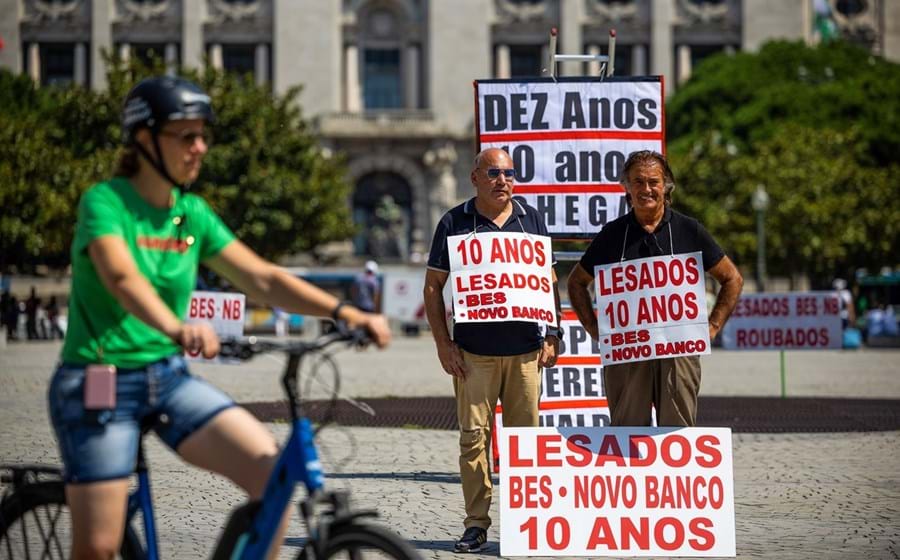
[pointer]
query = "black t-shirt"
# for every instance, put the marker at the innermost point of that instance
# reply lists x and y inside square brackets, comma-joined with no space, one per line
[676,234]
[504,338]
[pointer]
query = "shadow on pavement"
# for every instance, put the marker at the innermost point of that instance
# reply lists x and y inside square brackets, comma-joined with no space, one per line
[741,414]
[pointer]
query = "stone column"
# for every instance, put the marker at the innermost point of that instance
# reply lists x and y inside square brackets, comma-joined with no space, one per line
[80,70]
[11,53]
[352,93]
[192,16]
[412,77]
[125,52]
[101,39]
[502,61]
[639,60]
[684,63]
[215,56]
[262,64]
[34,62]
[593,67]
[662,13]
[570,37]
[171,58]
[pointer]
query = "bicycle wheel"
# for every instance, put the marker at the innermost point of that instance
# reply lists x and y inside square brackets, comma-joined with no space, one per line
[35,523]
[364,541]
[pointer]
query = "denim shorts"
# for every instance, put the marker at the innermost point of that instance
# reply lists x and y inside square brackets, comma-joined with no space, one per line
[100,445]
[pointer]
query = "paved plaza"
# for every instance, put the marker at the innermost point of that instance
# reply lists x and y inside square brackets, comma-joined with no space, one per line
[796,495]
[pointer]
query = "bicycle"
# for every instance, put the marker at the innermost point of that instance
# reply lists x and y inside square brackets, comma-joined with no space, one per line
[37,497]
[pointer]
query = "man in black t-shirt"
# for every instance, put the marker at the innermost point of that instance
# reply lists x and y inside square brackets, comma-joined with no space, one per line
[652,229]
[487,360]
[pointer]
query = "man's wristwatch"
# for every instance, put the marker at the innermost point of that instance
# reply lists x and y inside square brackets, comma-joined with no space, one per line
[554,331]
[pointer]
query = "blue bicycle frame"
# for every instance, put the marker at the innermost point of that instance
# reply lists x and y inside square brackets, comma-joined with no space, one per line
[297,463]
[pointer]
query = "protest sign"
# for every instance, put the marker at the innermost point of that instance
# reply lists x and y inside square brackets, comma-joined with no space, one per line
[569,139]
[502,276]
[616,492]
[794,321]
[224,311]
[652,308]
[572,391]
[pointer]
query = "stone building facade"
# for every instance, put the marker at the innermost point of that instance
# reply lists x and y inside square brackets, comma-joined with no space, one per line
[389,82]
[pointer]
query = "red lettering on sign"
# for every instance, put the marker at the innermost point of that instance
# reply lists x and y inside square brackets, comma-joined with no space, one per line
[530,491]
[648,275]
[639,531]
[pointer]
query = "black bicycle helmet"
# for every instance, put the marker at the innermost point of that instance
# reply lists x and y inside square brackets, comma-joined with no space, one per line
[155,101]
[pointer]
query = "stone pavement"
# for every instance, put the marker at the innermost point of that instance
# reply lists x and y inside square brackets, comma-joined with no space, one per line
[796,495]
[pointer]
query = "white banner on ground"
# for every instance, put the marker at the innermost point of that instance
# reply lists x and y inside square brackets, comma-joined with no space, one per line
[652,308]
[794,321]
[224,311]
[569,140]
[502,276]
[616,492]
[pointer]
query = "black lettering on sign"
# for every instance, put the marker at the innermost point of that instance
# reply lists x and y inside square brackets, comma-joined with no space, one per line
[537,120]
[645,108]
[494,113]
[513,114]
[574,420]
[573,114]
[623,113]
[571,210]
[523,161]
[519,110]
[589,166]
[546,207]
[597,210]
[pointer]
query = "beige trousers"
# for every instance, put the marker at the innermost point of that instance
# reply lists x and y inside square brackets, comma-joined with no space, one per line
[516,382]
[671,385]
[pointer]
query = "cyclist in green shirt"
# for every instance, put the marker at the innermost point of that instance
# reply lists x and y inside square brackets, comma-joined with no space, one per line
[137,247]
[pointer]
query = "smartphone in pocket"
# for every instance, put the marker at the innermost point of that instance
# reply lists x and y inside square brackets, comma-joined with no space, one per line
[100,387]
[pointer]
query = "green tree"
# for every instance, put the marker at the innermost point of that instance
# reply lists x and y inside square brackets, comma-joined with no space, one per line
[264,173]
[818,127]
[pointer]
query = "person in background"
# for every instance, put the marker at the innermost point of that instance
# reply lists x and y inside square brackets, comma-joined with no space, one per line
[366,289]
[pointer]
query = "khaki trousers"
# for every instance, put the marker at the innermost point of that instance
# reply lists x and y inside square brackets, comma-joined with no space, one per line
[516,382]
[671,385]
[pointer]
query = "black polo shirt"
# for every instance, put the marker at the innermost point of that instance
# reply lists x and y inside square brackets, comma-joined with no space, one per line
[504,338]
[687,236]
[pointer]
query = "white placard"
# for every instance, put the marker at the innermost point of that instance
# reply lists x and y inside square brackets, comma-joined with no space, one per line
[224,311]
[569,140]
[502,276]
[402,297]
[616,492]
[794,321]
[652,308]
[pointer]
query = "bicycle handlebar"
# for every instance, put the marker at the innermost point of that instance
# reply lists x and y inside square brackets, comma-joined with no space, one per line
[247,348]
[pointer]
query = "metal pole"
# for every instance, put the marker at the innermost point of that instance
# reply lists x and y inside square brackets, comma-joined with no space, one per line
[783,388]
[760,251]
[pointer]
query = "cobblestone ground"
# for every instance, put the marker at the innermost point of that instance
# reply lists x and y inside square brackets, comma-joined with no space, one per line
[796,495]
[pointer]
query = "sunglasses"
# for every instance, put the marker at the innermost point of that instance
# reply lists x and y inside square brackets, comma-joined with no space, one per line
[189,137]
[495,172]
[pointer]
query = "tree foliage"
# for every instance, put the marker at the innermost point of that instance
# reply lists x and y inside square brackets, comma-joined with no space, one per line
[264,172]
[819,128]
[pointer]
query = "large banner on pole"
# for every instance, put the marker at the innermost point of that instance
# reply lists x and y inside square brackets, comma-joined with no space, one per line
[569,139]
[616,492]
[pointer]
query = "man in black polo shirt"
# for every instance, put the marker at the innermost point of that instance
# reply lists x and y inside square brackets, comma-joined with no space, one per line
[651,229]
[487,360]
